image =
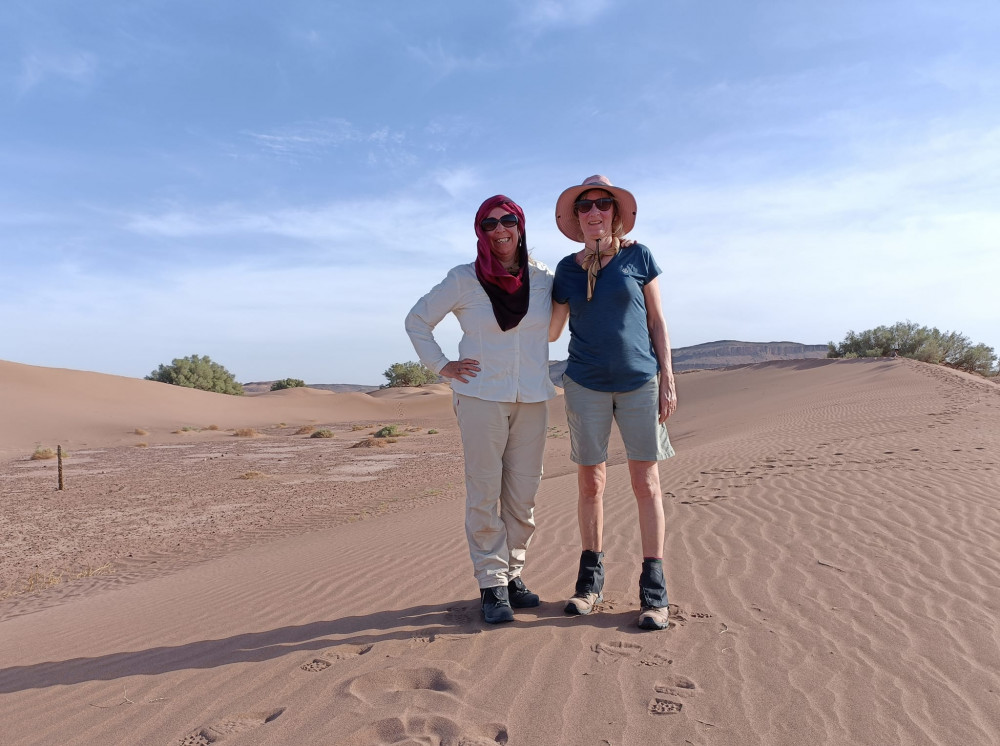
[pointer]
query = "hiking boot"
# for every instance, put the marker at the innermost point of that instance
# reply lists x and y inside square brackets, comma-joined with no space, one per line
[654,617]
[520,597]
[582,604]
[653,596]
[496,605]
[589,584]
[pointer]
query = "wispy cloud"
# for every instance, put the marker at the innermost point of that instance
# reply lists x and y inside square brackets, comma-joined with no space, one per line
[317,140]
[443,61]
[564,12]
[368,230]
[76,67]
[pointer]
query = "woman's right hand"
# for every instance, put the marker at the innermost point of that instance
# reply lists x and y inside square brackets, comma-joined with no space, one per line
[458,368]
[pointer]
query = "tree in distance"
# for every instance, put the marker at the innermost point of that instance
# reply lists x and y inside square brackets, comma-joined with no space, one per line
[408,374]
[287,383]
[196,372]
[907,339]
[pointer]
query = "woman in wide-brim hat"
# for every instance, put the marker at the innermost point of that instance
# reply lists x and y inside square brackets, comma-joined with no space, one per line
[619,369]
[500,386]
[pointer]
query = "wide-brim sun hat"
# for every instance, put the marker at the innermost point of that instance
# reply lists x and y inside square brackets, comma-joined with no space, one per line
[567,220]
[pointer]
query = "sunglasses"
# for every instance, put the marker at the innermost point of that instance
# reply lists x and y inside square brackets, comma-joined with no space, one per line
[584,205]
[490,224]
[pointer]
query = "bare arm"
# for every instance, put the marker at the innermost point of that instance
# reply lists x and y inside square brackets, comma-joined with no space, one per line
[560,315]
[661,347]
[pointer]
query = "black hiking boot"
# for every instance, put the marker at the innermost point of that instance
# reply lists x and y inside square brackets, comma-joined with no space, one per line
[520,597]
[496,605]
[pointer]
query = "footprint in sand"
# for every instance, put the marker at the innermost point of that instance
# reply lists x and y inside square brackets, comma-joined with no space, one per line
[660,706]
[612,652]
[427,729]
[238,724]
[316,665]
[458,615]
[374,686]
[677,686]
[657,659]
[339,653]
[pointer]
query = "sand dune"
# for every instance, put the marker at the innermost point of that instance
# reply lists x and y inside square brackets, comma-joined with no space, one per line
[833,554]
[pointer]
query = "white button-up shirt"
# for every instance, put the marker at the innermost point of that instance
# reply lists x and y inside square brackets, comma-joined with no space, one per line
[515,363]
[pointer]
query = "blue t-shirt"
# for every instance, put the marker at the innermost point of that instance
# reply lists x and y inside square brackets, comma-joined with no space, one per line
[609,346]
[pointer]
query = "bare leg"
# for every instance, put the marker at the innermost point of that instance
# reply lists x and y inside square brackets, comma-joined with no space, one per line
[590,508]
[646,486]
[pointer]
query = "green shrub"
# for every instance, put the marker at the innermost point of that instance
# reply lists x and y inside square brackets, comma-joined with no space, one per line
[907,339]
[324,433]
[388,431]
[408,374]
[196,372]
[287,383]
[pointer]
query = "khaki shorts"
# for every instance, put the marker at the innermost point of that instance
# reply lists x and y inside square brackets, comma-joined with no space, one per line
[589,414]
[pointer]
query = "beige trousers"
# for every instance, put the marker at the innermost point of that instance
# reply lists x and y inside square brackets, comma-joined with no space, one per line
[503,444]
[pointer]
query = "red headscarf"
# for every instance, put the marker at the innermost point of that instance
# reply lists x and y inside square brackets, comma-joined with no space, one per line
[508,293]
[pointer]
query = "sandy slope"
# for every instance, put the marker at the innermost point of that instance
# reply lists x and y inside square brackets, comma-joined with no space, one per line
[833,553]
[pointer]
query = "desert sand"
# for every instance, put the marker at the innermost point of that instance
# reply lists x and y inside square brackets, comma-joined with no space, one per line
[832,559]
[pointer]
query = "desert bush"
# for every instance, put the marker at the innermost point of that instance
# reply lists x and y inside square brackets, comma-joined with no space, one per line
[196,372]
[387,431]
[408,374]
[324,433]
[432,432]
[140,431]
[287,383]
[43,453]
[305,430]
[372,443]
[908,339]
[245,432]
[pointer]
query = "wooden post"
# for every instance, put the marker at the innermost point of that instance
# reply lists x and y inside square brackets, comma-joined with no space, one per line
[59,457]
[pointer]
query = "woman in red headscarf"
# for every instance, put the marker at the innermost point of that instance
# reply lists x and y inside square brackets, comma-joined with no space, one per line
[500,386]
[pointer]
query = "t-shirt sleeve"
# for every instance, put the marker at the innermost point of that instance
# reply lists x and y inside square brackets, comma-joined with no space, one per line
[559,294]
[651,270]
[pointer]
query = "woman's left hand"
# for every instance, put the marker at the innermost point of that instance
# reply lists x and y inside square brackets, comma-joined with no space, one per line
[668,398]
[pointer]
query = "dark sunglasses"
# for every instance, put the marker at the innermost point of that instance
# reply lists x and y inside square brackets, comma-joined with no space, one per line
[583,205]
[490,224]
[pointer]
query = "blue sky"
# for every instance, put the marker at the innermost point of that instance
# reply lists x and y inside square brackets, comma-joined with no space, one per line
[275,184]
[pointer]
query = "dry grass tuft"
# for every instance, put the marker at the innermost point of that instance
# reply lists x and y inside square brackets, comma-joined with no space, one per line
[305,430]
[187,429]
[324,433]
[253,475]
[43,453]
[245,432]
[142,445]
[372,443]
[212,427]
[39,581]
[360,427]
[140,431]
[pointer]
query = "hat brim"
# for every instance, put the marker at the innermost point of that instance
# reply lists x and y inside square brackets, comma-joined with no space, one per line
[569,224]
